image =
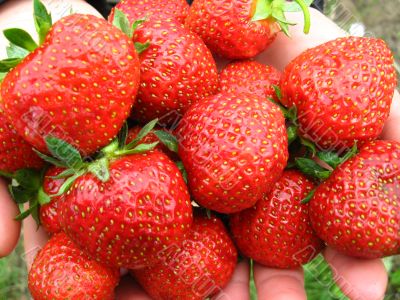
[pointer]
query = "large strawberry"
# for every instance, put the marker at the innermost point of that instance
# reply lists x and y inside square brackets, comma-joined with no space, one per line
[48,212]
[234,147]
[342,90]
[240,28]
[356,211]
[277,231]
[15,152]
[198,268]
[250,76]
[177,70]
[62,271]
[140,9]
[78,85]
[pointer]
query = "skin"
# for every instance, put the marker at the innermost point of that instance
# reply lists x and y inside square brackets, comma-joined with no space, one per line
[359,279]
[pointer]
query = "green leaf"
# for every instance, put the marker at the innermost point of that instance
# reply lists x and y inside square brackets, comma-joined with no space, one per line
[123,135]
[2,76]
[263,10]
[167,139]
[208,213]
[292,133]
[121,21]
[181,168]
[331,158]
[6,174]
[65,152]
[295,7]
[30,211]
[136,24]
[308,197]
[28,179]
[50,159]
[142,133]
[278,91]
[291,114]
[301,5]
[13,51]
[64,174]
[144,147]
[140,47]
[42,18]
[68,183]
[20,38]
[100,169]
[20,195]
[310,146]
[351,153]
[311,168]
[9,63]
[43,197]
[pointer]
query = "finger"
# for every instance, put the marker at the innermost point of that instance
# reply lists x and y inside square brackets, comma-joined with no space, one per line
[128,289]
[278,284]
[238,287]
[392,130]
[9,228]
[34,239]
[359,279]
[284,48]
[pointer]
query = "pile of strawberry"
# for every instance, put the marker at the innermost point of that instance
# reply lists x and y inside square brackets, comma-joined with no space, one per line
[122,137]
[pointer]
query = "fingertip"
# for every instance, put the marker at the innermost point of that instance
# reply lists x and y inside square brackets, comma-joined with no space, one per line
[238,286]
[279,284]
[9,228]
[364,279]
[34,240]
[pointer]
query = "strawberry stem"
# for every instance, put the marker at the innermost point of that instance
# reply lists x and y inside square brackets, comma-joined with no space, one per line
[306,13]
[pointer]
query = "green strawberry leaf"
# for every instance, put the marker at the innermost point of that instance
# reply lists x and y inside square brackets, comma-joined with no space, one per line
[121,21]
[310,146]
[331,158]
[308,197]
[19,194]
[351,153]
[29,179]
[138,149]
[43,197]
[123,135]
[167,139]
[64,152]
[292,133]
[64,174]
[181,168]
[100,169]
[142,133]
[20,38]
[2,76]
[278,91]
[13,51]
[208,213]
[136,24]
[311,168]
[68,183]
[6,174]
[32,210]
[263,10]
[140,47]
[9,63]
[293,6]
[43,20]
[50,159]
[291,114]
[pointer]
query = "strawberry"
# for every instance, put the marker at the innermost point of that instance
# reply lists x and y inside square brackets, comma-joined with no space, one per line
[15,153]
[356,210]
[62,271]
[342,91]
[125,221]
[277,231]
[140,9]
[49,212]
[177,70]
[250,77]
[198,268]
[238,29]
[234,147]
[78,85]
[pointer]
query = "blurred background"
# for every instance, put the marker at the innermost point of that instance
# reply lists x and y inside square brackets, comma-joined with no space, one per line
[360,17]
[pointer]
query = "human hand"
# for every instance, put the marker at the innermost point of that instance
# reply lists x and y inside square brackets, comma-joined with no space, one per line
[360,279]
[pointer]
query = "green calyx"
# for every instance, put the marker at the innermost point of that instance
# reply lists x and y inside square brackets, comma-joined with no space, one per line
[21,42]
[276,9]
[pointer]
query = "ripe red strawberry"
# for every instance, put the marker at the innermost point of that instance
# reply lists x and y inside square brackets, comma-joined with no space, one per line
[15,152]
[177,70]
[62,271]
[250,77]
[277,231]
[342,91]
[127,220]
[234,147]
[140,9]
[197,269]
[238,29]
[49,218]
[79,85]
[356,211]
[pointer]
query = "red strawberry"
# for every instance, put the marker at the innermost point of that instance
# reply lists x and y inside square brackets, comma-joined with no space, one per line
[49,212]
[277,231]
[177,70]
[79,85]
[15,153]
[250,77]
[149,139]
[356,211]
[62,271]
[342,91]
[198,268]
[127,220]
[237,28]
[234,147]
[140,9]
